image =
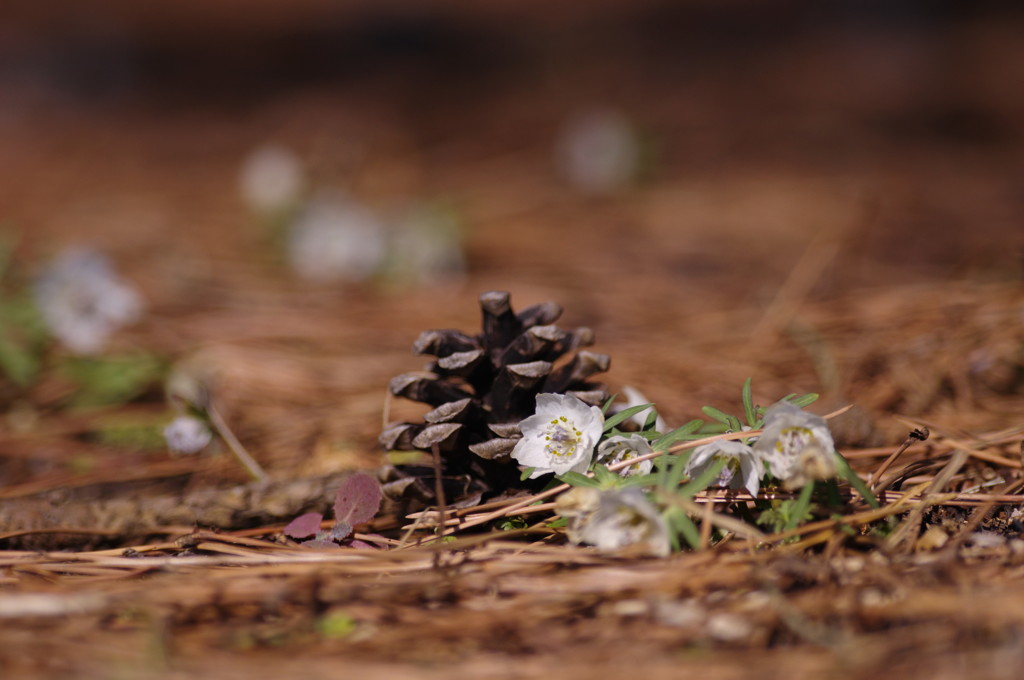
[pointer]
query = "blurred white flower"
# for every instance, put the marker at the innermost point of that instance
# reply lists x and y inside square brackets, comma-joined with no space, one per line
[334,239]
[619,448]
[560,436]
[83,301]
[272,179]
[613,520]
[187,434]
[599,152]
[797,445]
[426,247]
[635,397]
[739,458]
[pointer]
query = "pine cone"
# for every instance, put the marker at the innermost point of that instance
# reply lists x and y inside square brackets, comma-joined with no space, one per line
[482,386]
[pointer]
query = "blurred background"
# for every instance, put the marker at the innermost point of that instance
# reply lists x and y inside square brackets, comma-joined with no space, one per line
[298,188]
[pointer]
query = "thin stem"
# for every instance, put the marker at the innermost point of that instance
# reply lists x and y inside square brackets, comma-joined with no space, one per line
[247,461]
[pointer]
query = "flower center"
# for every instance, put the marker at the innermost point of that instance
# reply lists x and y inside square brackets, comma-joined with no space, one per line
[562,437]
[792,440]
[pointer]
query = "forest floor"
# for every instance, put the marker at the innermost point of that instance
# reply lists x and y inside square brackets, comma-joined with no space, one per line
[862,241]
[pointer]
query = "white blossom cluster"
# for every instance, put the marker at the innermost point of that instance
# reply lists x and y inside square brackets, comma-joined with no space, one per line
[796,446]
[330,237]
[187,434]
[83,301]
[599,152]
[272,179]
[336,239]
[613,520]
[565,435]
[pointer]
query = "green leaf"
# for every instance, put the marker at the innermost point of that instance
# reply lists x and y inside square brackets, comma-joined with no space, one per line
[712,412]
[23,340]
[526,473]
[513,523]
[714,428]
[624,415]
[651,422]
[604,476]
[649,435]
[20,315]
[804,400]
[576,479]
[648,480]
[336,625]
[138,436]
[17,362]
[113,380]
[608,404]
[748,402]
[678,434]
[846,472]
[675,471]
[684,526]
[799,511]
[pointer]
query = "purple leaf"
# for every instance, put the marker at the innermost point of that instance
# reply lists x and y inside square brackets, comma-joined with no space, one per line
[358,499]
[304,526]
[356,543]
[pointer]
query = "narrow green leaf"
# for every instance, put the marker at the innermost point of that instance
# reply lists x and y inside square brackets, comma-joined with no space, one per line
[648,480]
[526,473]
[113,380]
[804,400]
[748,402]
[715,428]
[577,479]
[683,525]
[604,476]
[608,404]
[801,506]
[19,364]
[651,422]
[678,434]
[649,435]
[712,412]
[675,471]
[623,415]
[847,473]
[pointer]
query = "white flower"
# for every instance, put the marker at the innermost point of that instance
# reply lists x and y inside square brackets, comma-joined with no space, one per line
[739,457]
[598,152]
[613,520]
[83,301]
[272,179]
[560,436]
[635,398]
[797,445]
[618,449]
[336,240]
[187,434]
